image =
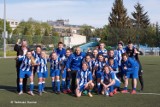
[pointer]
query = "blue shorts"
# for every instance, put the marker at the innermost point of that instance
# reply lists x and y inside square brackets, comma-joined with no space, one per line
[133,74]
[63,75]
[54,73]
[81,88]
[117,83]
[42,74]
[112,87]
[98,74]
[22,74]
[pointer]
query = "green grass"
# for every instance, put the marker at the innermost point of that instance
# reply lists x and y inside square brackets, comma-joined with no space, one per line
[151,66]
[8,53]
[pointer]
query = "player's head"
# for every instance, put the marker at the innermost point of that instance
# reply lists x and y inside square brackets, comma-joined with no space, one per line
[29,54]
[68,52]
[111,61]
[130,45]
[54,55]
[100,57]
[24,43]
[106,69]
[120,45]
[124,56]
[78,50]
[88,58]
[60,45]
[101,46]
[95,52]
[43,54]
[84,66]
[111,53]
[38,49]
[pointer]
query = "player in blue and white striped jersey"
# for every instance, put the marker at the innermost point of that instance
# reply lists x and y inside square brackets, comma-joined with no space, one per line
[84,80]
[95,55]
[98,69]
[55,71]
[90,62]
[26,70]
[109,81]
[112,56]
[119,53]
[42,72]
[36,54]
[102,50]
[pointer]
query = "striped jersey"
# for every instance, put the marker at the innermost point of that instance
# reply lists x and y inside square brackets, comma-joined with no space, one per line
[43,65]
[100,65]
[54,64]
[90,65]
[103,52]
[119,55]
[84,76]
[35,55]
[26,63]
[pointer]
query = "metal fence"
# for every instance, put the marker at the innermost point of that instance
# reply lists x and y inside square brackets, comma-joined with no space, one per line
[155,51]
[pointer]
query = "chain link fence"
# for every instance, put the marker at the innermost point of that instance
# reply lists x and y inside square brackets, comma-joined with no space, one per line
[47,43]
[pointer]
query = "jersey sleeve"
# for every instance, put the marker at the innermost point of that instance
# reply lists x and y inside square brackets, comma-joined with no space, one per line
[90,76]
[112,75]
[20,58]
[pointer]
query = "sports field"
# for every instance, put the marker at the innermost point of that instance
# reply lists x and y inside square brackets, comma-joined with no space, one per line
[150,97]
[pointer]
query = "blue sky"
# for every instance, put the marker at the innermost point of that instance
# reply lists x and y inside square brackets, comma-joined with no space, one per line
[91,12]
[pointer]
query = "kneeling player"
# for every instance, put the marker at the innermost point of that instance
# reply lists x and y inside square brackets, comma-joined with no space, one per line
[130,67]
[109,81]
[26,70]
[42,72]
[84,81]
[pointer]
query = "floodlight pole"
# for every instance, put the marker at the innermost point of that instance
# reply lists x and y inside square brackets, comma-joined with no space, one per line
[4,33]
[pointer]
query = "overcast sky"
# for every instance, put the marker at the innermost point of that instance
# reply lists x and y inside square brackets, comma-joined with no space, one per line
[91,12]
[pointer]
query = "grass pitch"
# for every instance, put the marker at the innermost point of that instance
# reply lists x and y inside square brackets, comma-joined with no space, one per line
[9,97]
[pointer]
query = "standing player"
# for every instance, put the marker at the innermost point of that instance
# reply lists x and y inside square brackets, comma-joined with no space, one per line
[98,69]
[133,53]
[89,61]
[55,72]
[112,55]
[36,54]
[42,72]
[21,50]
[84,81]
[130,67]
[109,81]
[65,73]
[119,53]
[102,50]
[26,70]
[60,50]
[95,55]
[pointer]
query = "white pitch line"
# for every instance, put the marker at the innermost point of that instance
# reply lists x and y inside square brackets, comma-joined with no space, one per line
[149,93]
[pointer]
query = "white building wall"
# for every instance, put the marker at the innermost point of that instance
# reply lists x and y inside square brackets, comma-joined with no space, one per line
[73,40]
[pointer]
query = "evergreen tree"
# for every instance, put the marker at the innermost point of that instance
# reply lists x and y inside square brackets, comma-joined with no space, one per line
[118,17]
[140,18]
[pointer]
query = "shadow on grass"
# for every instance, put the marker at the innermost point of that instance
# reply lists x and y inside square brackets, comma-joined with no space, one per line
[8,88]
